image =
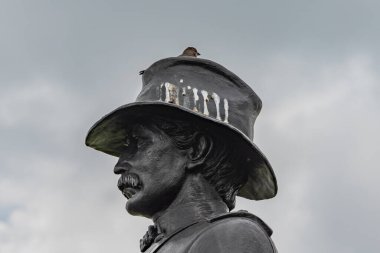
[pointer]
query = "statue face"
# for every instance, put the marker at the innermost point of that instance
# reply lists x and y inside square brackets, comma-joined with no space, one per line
[152,171]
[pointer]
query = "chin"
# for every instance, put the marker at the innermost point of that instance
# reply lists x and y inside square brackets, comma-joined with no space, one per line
[148,204]
[137,208]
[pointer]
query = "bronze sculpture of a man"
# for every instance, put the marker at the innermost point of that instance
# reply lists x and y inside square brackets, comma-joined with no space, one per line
[185,152]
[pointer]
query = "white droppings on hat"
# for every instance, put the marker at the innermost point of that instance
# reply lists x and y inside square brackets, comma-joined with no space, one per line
[167,97]
[196,98]
[226,110]
[216,99]
[186,99]
[160,93]
[205,99]
[171,93]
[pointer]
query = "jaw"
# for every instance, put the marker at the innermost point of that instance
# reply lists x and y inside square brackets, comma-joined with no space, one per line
[148,204]
[140,204]
[137,206]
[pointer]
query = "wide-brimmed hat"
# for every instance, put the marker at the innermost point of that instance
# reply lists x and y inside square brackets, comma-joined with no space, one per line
[204,93]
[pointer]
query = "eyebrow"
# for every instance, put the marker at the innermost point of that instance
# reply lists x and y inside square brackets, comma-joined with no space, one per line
[138,128]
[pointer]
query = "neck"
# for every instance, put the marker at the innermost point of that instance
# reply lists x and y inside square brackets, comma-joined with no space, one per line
[196,201]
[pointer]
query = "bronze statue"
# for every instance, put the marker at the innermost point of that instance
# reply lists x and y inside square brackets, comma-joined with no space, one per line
[186,151]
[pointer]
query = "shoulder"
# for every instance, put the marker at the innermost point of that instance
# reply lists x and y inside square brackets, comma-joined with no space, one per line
[234,232]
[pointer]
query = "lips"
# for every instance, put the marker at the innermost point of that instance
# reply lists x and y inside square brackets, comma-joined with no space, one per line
[128,192]
[129,184]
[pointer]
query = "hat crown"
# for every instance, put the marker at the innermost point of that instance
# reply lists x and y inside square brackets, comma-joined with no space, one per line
[204,87]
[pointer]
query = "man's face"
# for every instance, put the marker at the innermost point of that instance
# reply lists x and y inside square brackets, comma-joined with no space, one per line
[152,171]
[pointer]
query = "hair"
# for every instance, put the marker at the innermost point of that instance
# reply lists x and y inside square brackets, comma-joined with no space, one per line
[221,167]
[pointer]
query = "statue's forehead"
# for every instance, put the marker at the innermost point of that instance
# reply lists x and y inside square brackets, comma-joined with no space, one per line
[145,128]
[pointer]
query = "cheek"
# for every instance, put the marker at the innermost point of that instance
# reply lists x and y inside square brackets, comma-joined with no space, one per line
[161,163]
[156,154]
[169,166]
[164,155]
[148,159]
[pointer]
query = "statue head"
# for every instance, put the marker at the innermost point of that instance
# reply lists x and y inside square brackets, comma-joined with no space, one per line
[192,116]
[159,153]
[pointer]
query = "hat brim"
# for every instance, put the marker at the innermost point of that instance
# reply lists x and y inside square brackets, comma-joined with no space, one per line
[109,133]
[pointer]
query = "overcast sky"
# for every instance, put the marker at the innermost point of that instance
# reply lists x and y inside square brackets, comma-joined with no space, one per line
[65,64]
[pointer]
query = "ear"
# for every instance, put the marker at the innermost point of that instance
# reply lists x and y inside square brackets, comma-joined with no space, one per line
[198,153]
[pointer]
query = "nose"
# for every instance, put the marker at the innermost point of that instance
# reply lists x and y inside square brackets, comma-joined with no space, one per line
[121,166]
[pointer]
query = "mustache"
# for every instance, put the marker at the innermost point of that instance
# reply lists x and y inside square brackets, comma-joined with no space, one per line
[129,181]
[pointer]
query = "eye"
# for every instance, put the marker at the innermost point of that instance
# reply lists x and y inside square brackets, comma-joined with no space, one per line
[127,142]
[141,143]
[130,144]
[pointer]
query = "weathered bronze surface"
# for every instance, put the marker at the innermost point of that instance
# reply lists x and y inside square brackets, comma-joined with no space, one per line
[186,151]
